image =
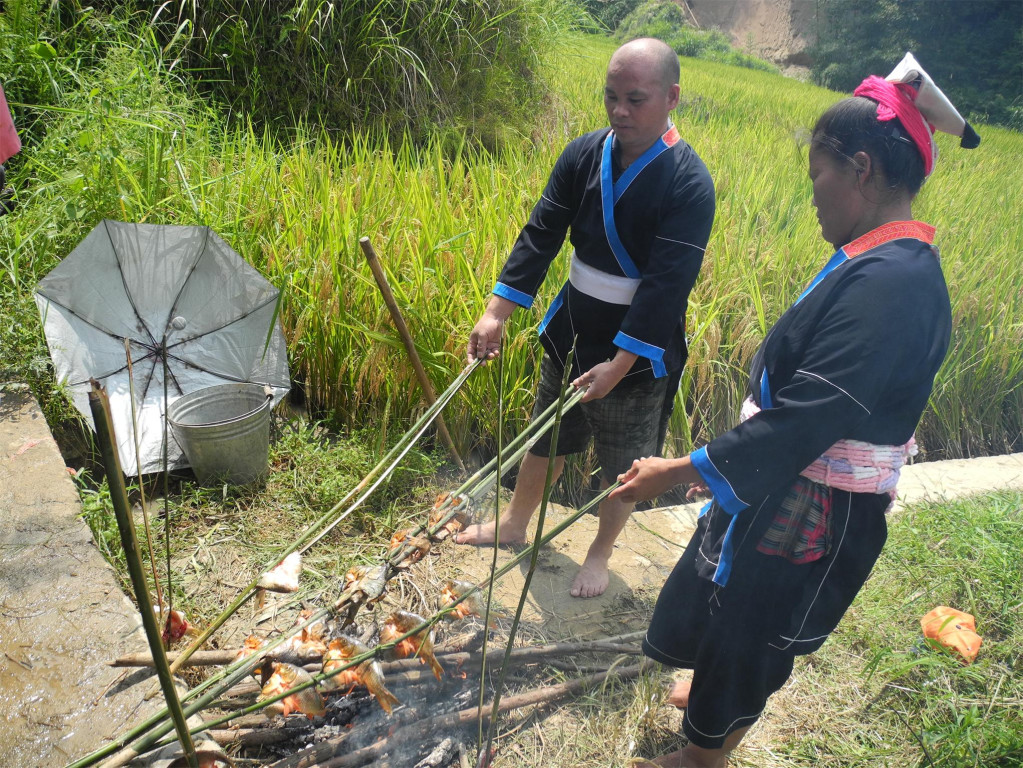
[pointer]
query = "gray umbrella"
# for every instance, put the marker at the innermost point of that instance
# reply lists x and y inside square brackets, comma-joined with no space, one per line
[187,303]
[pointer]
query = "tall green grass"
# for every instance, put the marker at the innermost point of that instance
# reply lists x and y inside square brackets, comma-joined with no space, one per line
[405,65]
[666,21]
[130,144]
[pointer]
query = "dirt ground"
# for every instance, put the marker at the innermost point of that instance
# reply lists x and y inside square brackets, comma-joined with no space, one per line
[62,616]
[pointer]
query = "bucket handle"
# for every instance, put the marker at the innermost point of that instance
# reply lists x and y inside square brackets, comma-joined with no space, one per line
[267,390]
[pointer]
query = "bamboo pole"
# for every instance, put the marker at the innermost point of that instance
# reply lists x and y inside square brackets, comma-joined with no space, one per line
[100,407]
[534,551]
[406,339]
[232,674]
[617,644]
[227,677]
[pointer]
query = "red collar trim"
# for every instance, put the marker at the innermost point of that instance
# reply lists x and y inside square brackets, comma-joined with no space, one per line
[671,137]
[893,230]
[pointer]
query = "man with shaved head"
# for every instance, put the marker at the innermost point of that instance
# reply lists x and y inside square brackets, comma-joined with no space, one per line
[637,204]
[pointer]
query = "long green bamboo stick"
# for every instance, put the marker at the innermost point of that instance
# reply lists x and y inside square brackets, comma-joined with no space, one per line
[552,454]
[100,407]
[399,448]
[483,477]
[316,679]
[497,538]
[138,468]
[478,486]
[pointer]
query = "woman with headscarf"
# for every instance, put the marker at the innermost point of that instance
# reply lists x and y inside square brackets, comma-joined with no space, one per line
[801,486]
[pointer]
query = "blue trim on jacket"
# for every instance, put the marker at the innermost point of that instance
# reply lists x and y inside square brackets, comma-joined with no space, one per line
[654,354]
[507,292]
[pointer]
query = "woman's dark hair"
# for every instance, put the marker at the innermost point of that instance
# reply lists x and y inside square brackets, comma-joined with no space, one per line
[851,126]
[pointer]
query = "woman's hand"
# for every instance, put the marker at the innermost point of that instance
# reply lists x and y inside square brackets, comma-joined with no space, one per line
[697,489]
[651,477]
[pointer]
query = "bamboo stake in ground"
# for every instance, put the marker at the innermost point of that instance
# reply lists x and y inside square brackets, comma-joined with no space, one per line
[119,498]
[406,339]
[484,755]
[142,488]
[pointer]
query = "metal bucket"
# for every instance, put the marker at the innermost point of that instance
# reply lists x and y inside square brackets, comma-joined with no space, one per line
[224,431]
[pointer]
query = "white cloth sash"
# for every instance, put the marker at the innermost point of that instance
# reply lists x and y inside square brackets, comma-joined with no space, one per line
[613,289]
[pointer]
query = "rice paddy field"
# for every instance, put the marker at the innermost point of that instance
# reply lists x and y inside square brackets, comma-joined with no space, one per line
[133,145]
[444,214]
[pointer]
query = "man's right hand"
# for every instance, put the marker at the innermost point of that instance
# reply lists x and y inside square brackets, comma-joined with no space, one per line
[485,339]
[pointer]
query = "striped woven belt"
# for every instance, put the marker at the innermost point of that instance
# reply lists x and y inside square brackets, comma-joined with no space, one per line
[854,465]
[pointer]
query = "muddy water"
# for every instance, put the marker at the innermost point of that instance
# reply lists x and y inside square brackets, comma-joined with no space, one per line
[62,615]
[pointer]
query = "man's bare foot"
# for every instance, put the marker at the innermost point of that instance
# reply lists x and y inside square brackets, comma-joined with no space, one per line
[593,577]
[484,534]
[678,694]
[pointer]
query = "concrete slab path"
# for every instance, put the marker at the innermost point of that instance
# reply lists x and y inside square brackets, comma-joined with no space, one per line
[62,613]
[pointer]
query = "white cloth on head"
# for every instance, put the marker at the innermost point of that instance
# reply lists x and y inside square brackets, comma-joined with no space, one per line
[932,103]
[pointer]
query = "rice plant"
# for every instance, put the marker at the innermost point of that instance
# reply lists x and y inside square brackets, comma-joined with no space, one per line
[443,215]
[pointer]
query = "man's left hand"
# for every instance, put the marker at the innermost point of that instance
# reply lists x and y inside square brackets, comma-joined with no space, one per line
[602,378]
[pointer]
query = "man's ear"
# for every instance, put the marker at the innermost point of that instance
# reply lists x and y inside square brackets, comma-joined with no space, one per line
[674,92]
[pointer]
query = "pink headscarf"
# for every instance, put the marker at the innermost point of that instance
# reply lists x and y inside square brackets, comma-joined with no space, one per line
[896,100]
[10,144]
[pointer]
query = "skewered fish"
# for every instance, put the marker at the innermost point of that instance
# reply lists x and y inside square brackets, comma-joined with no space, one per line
[419,644]
[343,649]
[452,590]
[285,677]
[284,576]
[418,547]
[442,507]
[366,583]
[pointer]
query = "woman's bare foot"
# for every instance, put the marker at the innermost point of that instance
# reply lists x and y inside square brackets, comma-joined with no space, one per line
[678,694]
[484,533]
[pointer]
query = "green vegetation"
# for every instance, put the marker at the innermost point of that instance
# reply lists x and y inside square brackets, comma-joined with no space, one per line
[116,125]
[973,49]
[665,20]
[876,695]
[128,140]
[609,13]
[923,705]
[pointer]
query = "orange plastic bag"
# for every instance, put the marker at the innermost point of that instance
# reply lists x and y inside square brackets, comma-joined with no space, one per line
[954,630]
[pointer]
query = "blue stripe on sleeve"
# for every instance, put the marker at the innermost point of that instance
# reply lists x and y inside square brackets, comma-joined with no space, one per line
[719,486]
[507,292]
[654,354]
